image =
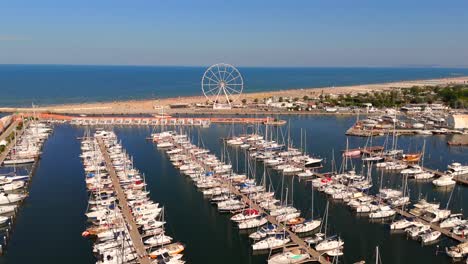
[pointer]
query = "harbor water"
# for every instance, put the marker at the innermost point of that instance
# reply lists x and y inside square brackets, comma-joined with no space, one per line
[49,224]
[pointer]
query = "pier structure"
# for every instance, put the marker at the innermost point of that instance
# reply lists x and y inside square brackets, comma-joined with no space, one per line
[157,120]
[296,240]
[316,256]
[406,214]
[135,236]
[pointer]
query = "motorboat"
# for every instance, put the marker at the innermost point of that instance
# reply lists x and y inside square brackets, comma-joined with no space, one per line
[252,223]
[453,221]
[271,242]
[296,255]
[245,215]
[413,169]
[382,212]
[316,238]
[457,169]
[158,240]
[444,181]
[306,227]
[401,224]
[329,244]
[424,175]
[264,231]
[171,249]
[417,230]
[430,236]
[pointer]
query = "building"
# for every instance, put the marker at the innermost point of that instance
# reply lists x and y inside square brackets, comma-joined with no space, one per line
[458,121]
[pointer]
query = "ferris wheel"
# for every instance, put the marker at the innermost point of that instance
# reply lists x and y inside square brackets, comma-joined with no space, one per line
[222,84]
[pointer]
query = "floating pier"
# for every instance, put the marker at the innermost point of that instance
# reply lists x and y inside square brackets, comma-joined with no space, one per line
[123,204]
[409,215]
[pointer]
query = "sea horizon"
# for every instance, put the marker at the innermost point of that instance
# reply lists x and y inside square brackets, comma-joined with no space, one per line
[52,84]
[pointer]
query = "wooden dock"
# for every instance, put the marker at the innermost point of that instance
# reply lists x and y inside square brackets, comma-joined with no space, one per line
[123,204]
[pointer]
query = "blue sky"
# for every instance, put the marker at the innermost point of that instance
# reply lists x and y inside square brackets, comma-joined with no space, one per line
[247,33]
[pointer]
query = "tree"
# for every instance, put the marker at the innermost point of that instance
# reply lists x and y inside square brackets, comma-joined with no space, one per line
[305,98]
[281,99]
[244,101]
[256,100]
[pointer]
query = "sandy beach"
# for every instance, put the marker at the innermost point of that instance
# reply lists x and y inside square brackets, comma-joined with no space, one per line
[151,106]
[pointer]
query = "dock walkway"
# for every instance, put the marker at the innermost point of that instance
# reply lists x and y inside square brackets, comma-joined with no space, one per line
[294,238]
[132,227]
[409,215]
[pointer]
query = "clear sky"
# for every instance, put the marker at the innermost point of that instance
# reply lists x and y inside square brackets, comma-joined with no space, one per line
[241,32]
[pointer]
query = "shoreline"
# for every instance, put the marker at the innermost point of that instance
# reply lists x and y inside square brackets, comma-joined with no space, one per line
[154,105]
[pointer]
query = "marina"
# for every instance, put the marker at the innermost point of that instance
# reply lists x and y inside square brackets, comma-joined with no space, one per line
[208,132]
[138,134]
[19,158]
[126,227]
[316,256]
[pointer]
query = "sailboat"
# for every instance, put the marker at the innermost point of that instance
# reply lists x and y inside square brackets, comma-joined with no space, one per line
[309,225]
[328,243]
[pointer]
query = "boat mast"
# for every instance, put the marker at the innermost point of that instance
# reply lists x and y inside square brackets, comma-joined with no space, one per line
[312,187]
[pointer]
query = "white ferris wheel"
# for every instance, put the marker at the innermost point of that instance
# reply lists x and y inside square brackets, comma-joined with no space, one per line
[222,84]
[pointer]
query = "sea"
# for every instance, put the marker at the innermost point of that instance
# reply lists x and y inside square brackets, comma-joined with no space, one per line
[23,85]
[49,223]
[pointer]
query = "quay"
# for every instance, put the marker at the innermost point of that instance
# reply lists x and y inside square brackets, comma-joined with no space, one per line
[157,120]
[132,227]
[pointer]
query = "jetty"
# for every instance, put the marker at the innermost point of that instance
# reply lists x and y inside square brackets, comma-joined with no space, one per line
[406,214]
[157,120]
[123,204]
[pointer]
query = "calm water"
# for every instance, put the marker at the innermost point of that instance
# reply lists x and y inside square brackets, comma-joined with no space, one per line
[21,85]
[49,224]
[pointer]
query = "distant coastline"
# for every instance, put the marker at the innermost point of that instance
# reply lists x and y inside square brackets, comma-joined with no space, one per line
[22,85]
[151,106]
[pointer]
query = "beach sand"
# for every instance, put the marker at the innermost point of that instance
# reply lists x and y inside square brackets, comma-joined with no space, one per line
[151,106]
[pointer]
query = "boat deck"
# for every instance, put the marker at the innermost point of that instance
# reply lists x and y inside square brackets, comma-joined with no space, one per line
[123,204]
